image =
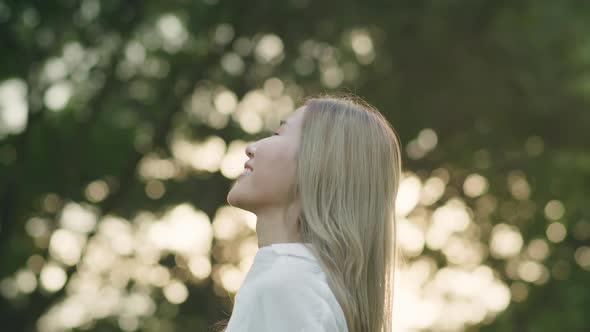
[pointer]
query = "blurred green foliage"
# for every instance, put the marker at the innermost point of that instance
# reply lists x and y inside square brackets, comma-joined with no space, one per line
[504,85]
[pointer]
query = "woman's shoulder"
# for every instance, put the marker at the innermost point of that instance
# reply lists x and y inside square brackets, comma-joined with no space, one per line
[289,279]
[294,273]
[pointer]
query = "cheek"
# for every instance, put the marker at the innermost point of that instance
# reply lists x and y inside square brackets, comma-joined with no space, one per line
[270,183]
[277,173]
[282,156]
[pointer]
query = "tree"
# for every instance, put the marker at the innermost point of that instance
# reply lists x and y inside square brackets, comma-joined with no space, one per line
[121,123]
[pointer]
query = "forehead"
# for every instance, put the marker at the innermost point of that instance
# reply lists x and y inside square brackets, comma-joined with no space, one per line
[295,116]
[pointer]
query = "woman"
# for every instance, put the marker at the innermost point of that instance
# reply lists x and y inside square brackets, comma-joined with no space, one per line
[323,188]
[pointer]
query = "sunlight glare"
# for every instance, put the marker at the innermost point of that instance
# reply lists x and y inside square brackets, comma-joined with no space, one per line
[505,241]
[408,195]
[53,277]
[13,106]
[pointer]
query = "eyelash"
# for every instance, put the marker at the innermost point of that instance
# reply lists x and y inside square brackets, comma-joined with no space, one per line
[276,133]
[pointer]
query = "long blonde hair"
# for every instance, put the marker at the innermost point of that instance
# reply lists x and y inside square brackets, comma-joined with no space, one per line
[348,173]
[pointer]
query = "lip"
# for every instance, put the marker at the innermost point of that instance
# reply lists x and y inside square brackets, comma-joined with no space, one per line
[248,166]
[242,175]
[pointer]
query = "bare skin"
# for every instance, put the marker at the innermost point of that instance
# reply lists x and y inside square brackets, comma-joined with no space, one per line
[264,192]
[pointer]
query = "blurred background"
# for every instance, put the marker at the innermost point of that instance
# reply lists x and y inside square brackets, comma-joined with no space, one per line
[123,125]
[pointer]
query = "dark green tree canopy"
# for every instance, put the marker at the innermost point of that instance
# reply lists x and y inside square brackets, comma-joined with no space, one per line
[123,124]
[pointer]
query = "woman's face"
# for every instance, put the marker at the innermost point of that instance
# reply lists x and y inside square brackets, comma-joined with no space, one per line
[273,160]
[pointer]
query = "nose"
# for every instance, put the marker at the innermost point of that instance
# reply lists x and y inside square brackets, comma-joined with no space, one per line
[250,150]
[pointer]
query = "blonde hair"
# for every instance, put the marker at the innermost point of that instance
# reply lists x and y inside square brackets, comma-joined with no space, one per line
[348,173]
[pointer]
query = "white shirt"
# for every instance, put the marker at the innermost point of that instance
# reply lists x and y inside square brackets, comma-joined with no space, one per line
[286,290]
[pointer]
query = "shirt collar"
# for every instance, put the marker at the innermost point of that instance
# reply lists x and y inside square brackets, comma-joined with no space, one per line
[298,249]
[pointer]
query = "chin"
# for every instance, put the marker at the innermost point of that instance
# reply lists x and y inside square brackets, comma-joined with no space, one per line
[238,202]
[233,198]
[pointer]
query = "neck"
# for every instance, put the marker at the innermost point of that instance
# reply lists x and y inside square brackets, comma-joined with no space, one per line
[273,225]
